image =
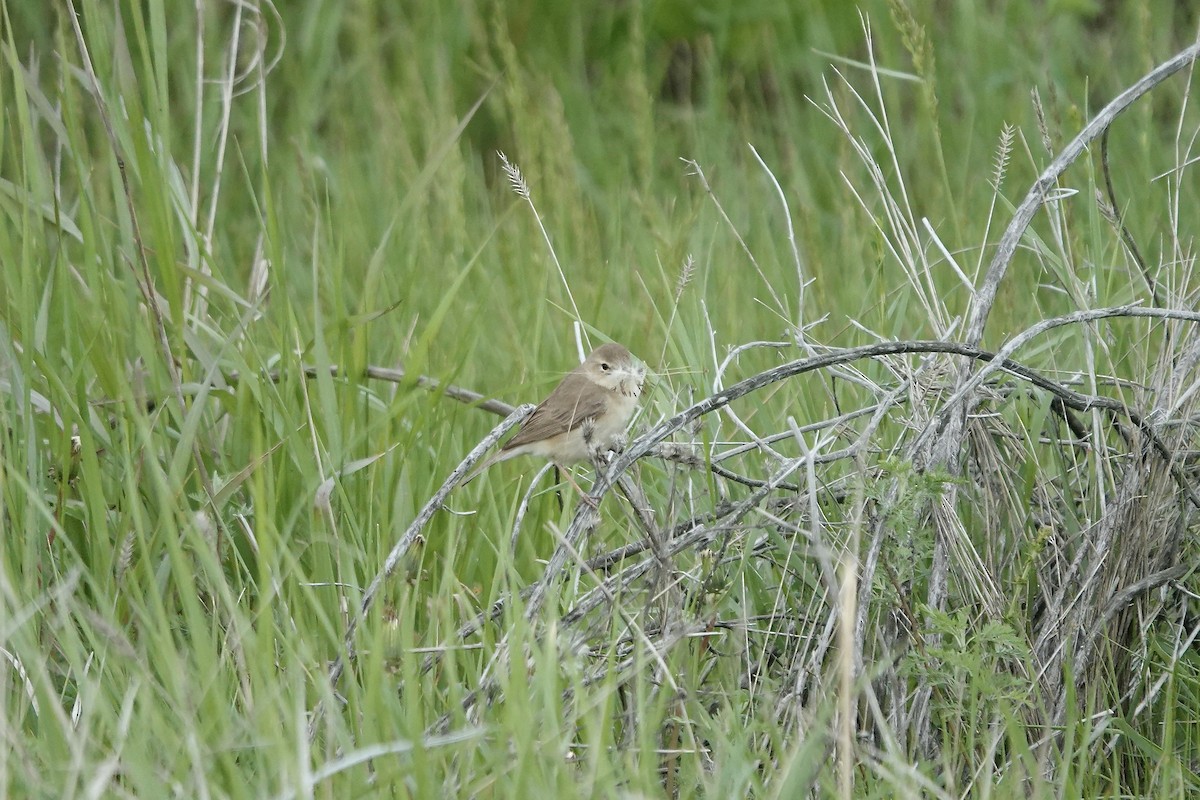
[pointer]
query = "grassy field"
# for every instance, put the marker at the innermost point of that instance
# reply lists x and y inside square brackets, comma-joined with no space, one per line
[888,569]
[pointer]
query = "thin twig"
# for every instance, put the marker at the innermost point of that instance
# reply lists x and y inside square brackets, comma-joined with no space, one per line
[391,375]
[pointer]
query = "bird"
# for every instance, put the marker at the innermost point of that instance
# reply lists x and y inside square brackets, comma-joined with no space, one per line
[590,408]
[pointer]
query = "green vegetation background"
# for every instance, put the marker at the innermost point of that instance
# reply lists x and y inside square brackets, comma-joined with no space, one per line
[359,215]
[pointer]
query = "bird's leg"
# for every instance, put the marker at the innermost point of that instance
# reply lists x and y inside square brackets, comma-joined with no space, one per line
[562,504]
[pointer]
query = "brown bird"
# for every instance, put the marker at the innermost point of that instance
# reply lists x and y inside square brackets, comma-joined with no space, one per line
[599,396]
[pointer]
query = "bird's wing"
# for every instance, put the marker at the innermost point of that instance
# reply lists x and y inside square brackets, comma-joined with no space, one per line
[571,402]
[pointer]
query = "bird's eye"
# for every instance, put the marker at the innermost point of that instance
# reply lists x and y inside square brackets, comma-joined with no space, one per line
[604,366]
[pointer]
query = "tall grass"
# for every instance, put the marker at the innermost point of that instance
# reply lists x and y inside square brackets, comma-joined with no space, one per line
[859,580]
